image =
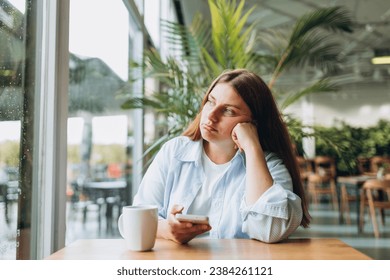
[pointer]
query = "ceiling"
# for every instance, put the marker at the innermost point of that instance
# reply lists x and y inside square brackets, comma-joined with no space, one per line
[371,29]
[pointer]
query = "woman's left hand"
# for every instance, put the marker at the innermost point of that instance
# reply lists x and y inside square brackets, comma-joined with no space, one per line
[245,136]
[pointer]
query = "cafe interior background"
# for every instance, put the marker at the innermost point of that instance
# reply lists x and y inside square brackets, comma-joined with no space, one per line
[71,154]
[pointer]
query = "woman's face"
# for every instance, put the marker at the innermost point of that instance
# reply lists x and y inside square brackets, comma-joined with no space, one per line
[222,111]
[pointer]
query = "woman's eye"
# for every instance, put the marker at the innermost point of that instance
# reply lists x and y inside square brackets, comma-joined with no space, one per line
[211,102]
[229,112]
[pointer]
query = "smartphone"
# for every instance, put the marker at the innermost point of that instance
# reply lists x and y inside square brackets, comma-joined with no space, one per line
[195,219]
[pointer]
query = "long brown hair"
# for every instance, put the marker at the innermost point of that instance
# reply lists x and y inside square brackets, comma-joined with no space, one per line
[272,130]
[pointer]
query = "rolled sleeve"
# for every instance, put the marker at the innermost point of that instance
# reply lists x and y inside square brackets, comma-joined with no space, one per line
[274,216]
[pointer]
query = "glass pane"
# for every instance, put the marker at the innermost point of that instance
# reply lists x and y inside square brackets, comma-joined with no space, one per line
[140,6]
[11,64]
[99,131]
[152,20]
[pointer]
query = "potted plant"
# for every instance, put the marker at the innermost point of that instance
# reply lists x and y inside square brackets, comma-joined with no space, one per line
[204,49]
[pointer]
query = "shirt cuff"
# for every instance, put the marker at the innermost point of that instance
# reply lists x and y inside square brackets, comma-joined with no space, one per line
[273,202]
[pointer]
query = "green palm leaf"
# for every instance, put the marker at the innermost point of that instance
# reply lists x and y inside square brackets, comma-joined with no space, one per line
[323,85]
[188,42]
[231,43]
[335,19]
[311,50]
[309,29]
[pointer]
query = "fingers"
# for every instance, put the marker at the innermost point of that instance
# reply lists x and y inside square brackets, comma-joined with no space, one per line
[235,138]
[188,232]
[173,222]
[183,232]
[244,134]
[191,228]
[176,209]
[237,146]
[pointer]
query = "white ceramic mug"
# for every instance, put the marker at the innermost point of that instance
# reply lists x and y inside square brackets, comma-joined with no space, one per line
[138,226]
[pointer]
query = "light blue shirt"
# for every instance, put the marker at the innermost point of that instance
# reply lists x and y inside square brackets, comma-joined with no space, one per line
[176,175]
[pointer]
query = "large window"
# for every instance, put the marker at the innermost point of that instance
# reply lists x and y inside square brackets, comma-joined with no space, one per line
[70,157]
[44,202]
[31,126]
[105,142]
[103,38]
[12,52]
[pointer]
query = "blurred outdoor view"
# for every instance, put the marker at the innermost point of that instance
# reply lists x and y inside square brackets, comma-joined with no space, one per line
[99,131]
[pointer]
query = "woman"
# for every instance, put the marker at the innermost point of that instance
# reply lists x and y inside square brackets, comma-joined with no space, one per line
[234,163]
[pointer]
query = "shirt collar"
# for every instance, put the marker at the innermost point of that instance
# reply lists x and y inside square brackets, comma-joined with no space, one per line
[192,151]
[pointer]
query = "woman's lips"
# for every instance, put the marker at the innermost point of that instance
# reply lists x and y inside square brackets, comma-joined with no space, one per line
[209,127]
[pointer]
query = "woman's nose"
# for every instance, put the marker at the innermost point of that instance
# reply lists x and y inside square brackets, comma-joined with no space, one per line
[213,115]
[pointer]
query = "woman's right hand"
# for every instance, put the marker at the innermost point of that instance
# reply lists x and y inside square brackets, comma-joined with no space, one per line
[180,232]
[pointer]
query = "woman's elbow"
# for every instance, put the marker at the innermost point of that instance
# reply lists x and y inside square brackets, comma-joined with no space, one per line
[276,230]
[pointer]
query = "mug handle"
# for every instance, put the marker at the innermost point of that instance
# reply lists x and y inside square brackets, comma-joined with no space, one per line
[120,225]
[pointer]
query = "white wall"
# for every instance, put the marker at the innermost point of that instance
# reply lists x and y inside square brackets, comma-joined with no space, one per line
[359,105]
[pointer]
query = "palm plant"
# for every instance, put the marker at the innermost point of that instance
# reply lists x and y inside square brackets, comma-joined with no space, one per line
[201,51]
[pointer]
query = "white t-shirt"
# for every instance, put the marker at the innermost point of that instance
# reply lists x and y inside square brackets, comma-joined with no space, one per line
[213,172]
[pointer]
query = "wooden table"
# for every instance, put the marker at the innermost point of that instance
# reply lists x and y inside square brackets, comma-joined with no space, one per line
[216,249]
[355,183]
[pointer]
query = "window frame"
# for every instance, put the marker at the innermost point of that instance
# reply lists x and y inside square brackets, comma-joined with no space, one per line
[43,180]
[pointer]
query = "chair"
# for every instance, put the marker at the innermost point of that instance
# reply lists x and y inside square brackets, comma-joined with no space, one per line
[83,200]
[364,165]
[323,181]
[376,195]
[345,199]
[377,162]
[100,196]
